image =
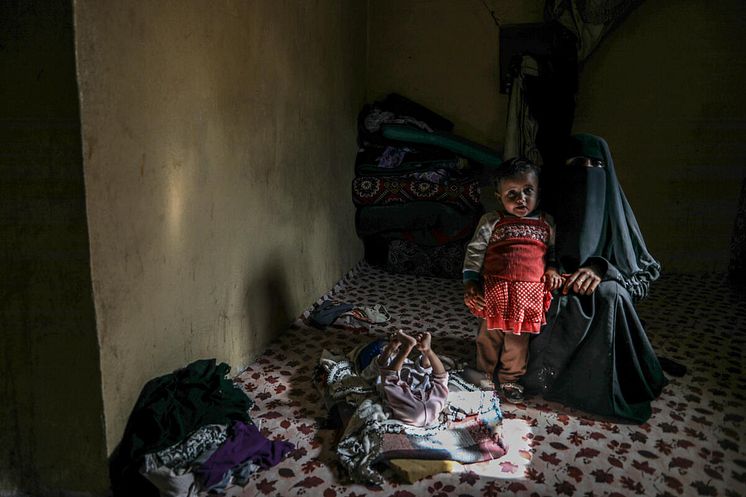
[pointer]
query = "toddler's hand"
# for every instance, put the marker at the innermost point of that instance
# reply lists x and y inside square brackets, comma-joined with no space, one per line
[552,279]
[473,296]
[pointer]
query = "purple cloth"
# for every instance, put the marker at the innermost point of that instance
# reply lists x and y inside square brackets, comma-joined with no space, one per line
[391,157]
[244,443]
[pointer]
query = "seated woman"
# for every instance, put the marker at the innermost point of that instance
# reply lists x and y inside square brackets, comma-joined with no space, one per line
[593,354]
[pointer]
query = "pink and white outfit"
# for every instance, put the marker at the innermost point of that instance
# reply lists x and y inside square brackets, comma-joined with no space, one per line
[415,395]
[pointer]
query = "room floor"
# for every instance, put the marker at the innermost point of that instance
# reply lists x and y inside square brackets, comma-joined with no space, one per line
[691,446]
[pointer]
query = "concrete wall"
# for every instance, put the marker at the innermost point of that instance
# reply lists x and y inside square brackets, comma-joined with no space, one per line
[444,55]
[51,427]
[666,91]
[218,139]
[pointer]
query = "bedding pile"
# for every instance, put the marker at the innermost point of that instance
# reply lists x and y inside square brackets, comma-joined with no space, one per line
[416,188]
[467,430]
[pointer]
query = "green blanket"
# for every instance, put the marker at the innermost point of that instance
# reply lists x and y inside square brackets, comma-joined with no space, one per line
[459,145]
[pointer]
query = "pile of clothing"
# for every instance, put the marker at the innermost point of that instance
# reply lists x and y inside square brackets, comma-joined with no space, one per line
[334,312]
[190,432]
[416,188]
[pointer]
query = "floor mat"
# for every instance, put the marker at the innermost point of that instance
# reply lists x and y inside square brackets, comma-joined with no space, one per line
[692,445]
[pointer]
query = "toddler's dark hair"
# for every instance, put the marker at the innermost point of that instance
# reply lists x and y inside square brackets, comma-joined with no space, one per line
[517,166]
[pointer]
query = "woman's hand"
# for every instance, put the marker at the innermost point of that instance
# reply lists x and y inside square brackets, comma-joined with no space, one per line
[473,296]
[552,279]
[583,281]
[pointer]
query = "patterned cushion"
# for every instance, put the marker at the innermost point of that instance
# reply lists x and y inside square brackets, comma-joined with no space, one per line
[370,190]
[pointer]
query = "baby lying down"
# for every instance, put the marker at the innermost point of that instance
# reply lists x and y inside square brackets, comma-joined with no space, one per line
[416,392]
[396,407]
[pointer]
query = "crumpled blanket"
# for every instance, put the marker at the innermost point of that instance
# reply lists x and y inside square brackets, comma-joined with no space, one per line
[360,444]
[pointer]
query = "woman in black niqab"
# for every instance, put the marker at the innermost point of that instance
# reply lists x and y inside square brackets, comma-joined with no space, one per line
[593,354]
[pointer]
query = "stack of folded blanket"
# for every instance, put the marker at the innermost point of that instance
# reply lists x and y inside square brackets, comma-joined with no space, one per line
[416,188]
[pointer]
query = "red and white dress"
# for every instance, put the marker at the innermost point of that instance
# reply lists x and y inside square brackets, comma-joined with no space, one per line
[510,255]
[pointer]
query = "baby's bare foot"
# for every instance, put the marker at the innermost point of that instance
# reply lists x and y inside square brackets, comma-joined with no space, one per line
[424,340]
[388,351]
[408,341]
[391,347]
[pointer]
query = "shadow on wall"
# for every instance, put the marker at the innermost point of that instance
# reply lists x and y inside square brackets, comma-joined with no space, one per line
[267,304]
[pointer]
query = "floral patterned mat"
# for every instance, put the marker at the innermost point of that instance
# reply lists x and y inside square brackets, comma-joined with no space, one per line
[692,445]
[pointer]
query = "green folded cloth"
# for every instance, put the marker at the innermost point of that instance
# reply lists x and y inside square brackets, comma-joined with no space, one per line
[457,144]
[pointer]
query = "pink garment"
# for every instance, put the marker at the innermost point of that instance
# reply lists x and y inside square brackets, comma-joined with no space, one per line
[416,407]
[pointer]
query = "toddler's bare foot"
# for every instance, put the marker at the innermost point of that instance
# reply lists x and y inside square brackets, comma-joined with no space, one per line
[407,340]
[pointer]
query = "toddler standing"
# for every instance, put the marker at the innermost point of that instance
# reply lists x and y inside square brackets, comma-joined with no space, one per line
[509,273]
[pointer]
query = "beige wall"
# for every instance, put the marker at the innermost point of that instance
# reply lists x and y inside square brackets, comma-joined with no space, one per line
[444,55]
[666,91]
[218,142]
